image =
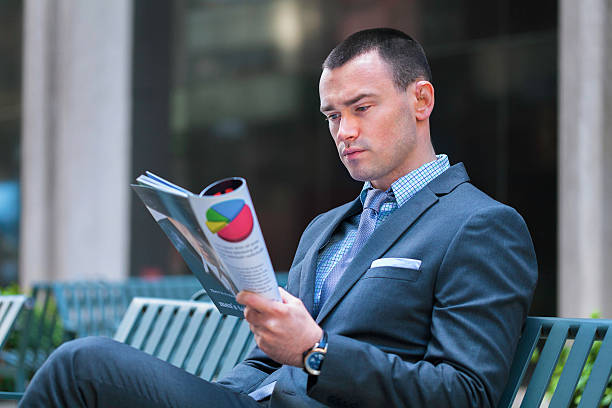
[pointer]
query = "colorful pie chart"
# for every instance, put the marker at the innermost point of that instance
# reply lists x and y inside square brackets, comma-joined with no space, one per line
[231,220]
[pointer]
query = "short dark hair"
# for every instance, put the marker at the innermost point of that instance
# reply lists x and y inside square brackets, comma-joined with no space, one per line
[403,53]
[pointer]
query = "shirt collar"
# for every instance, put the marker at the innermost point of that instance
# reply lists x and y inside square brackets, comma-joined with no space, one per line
[405,187]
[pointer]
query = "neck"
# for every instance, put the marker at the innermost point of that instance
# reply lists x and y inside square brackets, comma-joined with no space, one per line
[424,153]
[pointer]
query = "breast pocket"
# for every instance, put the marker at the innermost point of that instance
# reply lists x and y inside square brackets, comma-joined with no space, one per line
[392,272]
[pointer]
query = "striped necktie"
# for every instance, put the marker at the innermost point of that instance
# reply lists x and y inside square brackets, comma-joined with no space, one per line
[367,223]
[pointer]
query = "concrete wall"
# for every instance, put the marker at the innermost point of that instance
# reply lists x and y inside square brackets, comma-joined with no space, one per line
[585,153]
[76,140]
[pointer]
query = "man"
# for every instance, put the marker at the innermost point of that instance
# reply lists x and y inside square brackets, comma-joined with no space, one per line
[413,294]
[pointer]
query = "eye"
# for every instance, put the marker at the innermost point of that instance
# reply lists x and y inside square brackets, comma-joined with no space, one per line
[363,108]
[332,117]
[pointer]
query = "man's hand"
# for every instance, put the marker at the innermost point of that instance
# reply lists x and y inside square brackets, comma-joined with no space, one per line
[282,330]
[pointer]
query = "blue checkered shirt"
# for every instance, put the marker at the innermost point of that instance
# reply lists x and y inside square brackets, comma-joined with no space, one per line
[399,193]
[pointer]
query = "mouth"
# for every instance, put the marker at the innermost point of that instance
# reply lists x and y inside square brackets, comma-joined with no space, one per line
[352,152]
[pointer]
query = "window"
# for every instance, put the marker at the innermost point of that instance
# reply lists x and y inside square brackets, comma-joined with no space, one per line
[10,124]
[231,88]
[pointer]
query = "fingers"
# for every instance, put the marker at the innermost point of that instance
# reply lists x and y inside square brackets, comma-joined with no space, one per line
[263,304]
[287,297]
[255,301]
[243,296]
[261,313]
[265,315]
[251,315]
[282,330]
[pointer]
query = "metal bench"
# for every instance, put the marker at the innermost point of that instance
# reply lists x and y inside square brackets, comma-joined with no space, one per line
[191,335]
[10,309]
[96,307]
[196,337]
[67,310]
[554,332]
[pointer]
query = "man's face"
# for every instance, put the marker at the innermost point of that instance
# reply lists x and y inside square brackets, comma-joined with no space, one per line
[370,120]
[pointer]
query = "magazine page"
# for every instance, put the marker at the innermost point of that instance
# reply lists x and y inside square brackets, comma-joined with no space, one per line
[225,213]
[218,236]
[174,216]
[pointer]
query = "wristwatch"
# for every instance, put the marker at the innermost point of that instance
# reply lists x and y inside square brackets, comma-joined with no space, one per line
[314,357]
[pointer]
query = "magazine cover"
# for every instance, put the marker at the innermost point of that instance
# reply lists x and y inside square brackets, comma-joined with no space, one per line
[217,234]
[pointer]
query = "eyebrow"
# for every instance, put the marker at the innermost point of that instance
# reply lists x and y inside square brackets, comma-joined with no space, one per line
[347,102]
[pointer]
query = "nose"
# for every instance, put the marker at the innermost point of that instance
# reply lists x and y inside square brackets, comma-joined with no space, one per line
[347,129]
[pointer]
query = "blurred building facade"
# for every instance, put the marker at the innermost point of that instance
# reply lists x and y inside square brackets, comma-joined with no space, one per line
[200,90]
[10,99]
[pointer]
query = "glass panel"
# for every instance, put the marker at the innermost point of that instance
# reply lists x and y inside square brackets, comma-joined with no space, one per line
[10,123]
[243,100]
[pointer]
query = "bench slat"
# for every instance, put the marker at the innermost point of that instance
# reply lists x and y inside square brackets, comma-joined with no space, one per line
[195,322]
[159,329]
[573,366]
[599,374]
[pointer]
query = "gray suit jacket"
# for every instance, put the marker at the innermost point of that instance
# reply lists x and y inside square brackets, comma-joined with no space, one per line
[439,336]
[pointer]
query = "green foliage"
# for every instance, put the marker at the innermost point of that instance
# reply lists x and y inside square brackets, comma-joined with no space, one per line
[584,376]
[12,289]
[37,332]
[45,329]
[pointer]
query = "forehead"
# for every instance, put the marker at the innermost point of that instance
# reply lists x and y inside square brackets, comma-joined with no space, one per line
[366,73]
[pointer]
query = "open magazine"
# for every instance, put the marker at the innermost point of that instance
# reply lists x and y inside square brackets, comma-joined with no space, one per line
[216,233]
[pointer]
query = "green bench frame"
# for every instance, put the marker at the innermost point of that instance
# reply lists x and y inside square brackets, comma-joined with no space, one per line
[85,308]
[554,332]
[94,308]
[194,336]
[188,334]
[82,308]
[10,309]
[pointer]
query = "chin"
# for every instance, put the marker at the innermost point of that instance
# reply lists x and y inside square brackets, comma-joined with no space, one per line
[359,176]
[360,172]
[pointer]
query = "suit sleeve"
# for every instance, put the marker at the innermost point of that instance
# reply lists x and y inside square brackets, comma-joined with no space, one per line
[249,374]
[483,292]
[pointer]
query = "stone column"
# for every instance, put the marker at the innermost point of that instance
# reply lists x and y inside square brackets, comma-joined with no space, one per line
[75,140]
[585,155]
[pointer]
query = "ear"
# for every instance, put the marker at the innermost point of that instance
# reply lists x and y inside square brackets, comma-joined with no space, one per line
[424,94]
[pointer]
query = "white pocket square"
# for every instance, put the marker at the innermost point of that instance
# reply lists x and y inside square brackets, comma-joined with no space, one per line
[397,263]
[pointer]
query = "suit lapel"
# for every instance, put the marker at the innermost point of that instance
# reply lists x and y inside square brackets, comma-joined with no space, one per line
[386,235]
[377,244]
[309,265]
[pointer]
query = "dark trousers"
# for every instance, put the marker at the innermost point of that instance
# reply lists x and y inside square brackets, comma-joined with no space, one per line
[100,372]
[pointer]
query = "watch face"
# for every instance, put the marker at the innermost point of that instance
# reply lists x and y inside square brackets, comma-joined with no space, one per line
[314,360]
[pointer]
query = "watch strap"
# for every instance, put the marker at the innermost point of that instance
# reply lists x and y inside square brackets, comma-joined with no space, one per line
[323,342]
